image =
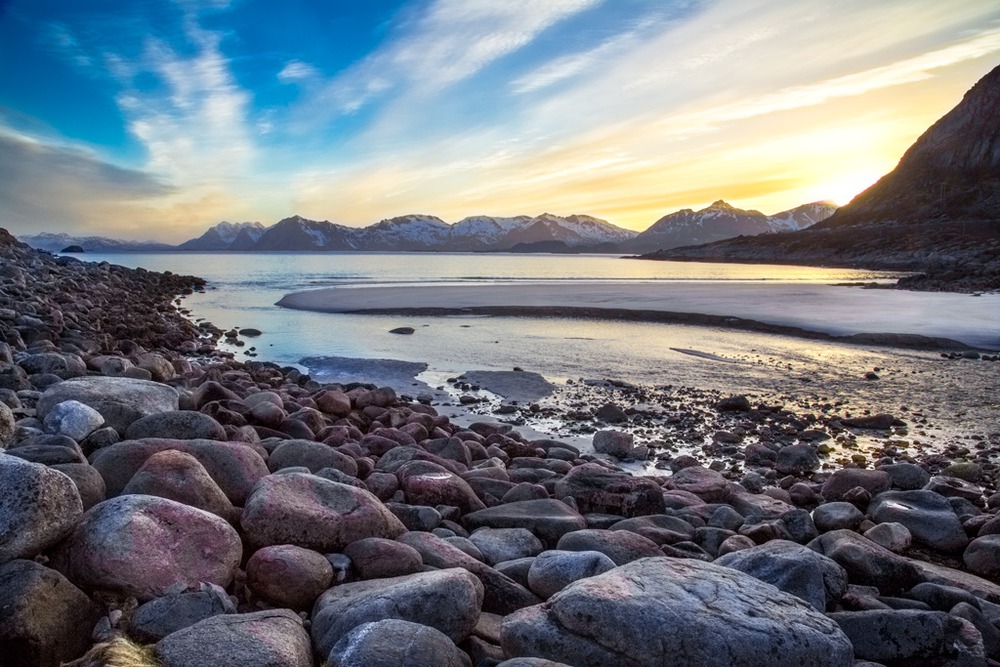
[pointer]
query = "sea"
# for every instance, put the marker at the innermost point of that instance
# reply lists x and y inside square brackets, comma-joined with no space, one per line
[959,395]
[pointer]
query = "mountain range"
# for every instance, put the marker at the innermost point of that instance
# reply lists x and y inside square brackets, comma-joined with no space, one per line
[937,213]
[541,233]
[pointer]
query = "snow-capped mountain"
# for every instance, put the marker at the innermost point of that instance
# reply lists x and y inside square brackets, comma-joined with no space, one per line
[223,235]
[723,221]
[56,242]
[803,216]
[426,233]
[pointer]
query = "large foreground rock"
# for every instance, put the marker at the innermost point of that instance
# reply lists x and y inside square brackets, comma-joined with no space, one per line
[121,401]
[38,507]
[447,600]
[44,619]
[273,638]
[143,545]
[662,611]
[314,513]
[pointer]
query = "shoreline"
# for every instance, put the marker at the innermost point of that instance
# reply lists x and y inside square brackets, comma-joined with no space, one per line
[301,518]
[817,312]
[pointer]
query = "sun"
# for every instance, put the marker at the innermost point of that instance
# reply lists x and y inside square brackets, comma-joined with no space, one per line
[842,189]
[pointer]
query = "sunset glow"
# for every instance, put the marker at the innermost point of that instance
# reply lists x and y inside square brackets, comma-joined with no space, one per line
[157,120]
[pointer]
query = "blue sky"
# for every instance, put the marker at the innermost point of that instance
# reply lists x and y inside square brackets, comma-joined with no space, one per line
[157,118]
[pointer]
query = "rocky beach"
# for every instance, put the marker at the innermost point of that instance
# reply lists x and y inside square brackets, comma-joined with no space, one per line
[162,503]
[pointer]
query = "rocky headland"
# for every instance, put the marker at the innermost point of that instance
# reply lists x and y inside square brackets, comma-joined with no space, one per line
[164,504]
[936,214]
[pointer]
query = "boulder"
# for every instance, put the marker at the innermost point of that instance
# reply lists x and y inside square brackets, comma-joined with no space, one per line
[285,575]
[708,485]
[7,425]
[911,636]
[929,517]
[867,563]
[72,419]
[396,643]
[144,545]
[180,477]
[235,466]
[312,455]
[260,639]
[845,479]
[379,558]
[836,515]
[314,513]
[120,400]
[501,544]
[597,489]
[621,546]
[46,620]
[501,594]
[792,568]
[427,483]
[169,613]
[89,482]
[448,600]
[38,507]
[798,459]
[547,518]
[982,557]
[698,613]
[176,425]
[906,476]
[553,570]
[613,443]
[892,536]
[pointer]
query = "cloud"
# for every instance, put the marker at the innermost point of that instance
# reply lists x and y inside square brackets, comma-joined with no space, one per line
[433,50]
[296,70]
[48,185]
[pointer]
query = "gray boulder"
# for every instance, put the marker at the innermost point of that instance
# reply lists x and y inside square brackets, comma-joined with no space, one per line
[613,443]
[547,518]
[312,455]
[837,515]
[910,636]
[73,419]
[164,615]
[792,568]
[120,400]
[621,546]
[38,507]
[982,557]
[501,544]
[698,613]
[144,545]
[554,570]
[929,517]
[46,620]
[597,489]
[396,643]
[270,638]
[867,563]
[177,425]
[314,513]
[7,425]
[448,600]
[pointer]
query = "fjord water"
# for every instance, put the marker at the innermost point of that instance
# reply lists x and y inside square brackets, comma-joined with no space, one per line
[243,288]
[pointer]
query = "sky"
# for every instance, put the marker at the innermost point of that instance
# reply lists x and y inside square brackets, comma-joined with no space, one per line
[154,119]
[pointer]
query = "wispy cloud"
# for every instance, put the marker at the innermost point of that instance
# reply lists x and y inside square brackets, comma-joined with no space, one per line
[449,42]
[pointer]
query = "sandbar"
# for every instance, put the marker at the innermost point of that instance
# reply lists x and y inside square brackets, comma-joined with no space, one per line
[870,316]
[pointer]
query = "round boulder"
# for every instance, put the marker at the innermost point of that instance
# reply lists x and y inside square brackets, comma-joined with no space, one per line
[260,639]
[143,545]
[120,401]
[553,571]
[314,513]
[38,507]
[982,557]
[73,419]
[929,517]
[289,576]
[179,476]
[177,425]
